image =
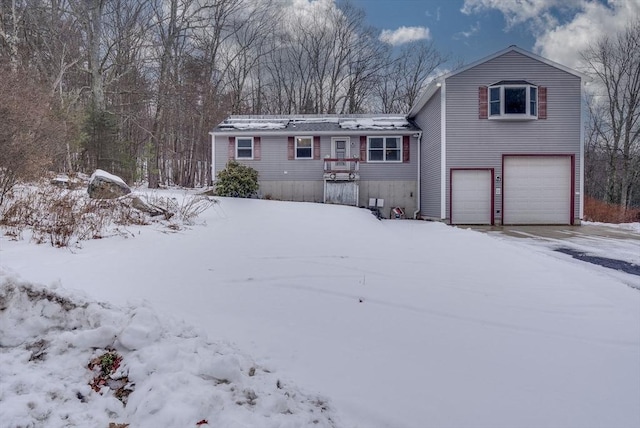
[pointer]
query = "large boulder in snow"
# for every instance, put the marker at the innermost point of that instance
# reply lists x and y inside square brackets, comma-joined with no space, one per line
[103,185]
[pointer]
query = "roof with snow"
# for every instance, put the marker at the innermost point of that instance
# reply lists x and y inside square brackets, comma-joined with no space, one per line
[316,124]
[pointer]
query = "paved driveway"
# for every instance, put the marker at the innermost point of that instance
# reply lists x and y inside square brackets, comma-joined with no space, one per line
[586,231]
[616,248]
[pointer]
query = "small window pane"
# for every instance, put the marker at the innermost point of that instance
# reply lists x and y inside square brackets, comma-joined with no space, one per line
[376,143]
[533,101]
[304,142]
[393,155]
[515,100]
[495,102]
[392,143]
[244,153]
[244,143]
[303,153]
[376,155]
[495,94]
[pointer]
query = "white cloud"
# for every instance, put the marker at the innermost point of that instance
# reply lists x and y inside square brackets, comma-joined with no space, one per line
[564,43]
[466,34]
[585,21]
[308,10]
[537,12]
[404,35]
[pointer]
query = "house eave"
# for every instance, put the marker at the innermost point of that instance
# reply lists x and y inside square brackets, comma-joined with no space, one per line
[345,132]
[431,89]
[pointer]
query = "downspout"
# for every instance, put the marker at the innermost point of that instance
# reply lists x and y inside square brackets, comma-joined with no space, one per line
[443,149]
[418,187]
[213,157]
[582,125]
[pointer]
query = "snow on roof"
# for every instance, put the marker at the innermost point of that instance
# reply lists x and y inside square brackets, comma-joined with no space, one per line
[375,123]
[344,122]
[254,125]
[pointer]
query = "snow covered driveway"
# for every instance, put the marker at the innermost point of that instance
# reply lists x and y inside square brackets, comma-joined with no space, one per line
[611,249]
[398,323]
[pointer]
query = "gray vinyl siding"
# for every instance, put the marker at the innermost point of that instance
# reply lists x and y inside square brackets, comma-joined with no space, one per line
[274,160]
[473,142]
[391,171]
[428,119]
[273,164]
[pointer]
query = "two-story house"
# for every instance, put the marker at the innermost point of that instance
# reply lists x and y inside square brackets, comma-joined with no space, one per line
[499,141]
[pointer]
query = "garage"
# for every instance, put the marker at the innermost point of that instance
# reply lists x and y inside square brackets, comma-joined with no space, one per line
[537,190]
[471,196]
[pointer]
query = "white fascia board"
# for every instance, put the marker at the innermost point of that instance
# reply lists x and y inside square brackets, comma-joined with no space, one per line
[425,97]
[337,132]
[443,151]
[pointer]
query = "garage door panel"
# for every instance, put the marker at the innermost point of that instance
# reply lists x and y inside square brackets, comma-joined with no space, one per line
[537,190]
[471,192]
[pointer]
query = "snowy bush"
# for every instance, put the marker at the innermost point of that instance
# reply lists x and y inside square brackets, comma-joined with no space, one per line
[186,210]
[65,217]
[237,180]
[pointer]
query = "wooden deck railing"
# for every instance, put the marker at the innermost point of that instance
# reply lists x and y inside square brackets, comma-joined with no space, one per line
[341,165]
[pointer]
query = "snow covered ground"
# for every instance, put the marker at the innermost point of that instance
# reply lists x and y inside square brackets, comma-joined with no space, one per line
[391,323]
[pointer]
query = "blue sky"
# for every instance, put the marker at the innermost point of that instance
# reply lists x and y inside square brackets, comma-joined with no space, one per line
[469,37]
[469,30]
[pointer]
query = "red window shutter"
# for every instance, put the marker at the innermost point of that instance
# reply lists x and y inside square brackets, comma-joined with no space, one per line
[363,148]
[542,102]
[316,148]
[406,145]
[291,150]
[232,148]
[483,103]
[257,152]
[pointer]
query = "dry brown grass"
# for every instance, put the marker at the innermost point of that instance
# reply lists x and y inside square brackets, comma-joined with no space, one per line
[65,217]
[596,210]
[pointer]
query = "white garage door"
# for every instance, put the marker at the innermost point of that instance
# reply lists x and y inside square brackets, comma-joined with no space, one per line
[471,196]
[537,190]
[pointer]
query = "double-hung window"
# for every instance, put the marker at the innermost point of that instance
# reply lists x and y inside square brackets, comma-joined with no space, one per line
[515,99]
[304,148]
[384,149]
[244,148]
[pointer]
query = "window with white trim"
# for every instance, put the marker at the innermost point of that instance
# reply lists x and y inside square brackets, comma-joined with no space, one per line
[244,148]
[304,147]
[513,100]
[384,149]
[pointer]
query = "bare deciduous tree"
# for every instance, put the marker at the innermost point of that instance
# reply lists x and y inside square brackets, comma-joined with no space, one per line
[30,134]
[137,85]
[614,110]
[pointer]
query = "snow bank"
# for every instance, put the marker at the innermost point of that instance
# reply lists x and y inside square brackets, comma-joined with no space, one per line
[634,227]
[402,324]
[178,378]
